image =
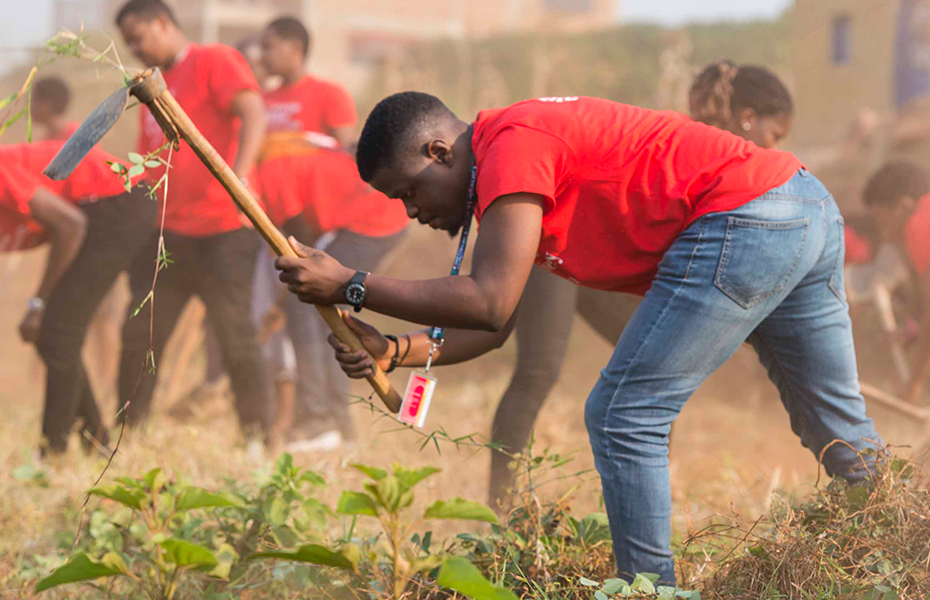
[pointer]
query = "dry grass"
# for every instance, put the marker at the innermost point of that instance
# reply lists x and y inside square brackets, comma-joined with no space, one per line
[732,448]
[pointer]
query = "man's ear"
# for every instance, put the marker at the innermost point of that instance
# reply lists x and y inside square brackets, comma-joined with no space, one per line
[440,151]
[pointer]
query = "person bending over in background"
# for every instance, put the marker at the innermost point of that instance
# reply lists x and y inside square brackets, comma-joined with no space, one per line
[749,101]
[653,204]
[94,229]
[212,250]
[311,188]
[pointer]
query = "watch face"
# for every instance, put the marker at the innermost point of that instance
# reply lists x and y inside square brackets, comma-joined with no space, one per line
[355,294]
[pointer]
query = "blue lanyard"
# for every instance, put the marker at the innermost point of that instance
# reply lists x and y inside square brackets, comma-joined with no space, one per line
[435,333]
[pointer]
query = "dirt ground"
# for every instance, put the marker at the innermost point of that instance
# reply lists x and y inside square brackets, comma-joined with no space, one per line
[732,446]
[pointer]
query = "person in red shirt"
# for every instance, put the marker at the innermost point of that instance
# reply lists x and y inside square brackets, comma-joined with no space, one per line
[311,188]
[747,100]
[94,229]
[897,197]
[49,107]
[726,242]
[213,253]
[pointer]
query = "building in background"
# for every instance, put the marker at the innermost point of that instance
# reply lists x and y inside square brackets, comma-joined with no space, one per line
[852,55]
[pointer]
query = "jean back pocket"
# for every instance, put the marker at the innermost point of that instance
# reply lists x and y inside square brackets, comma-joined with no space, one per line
[759,258]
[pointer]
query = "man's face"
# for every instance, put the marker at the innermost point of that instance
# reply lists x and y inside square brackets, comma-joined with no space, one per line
[433,186]
[42,111]
[280,55]
[147,39]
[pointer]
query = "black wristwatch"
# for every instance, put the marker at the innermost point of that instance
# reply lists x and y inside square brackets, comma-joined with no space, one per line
[355,290]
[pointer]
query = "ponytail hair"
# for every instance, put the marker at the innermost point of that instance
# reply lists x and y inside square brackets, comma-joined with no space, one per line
[723,89]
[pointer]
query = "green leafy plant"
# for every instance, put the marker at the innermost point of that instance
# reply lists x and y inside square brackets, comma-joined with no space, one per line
[167,532]
[387,497]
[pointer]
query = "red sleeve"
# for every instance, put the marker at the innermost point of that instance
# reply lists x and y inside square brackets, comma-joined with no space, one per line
[17,188]
[519,159]
[858,247]
[916,239]
[339,108]
[226,73]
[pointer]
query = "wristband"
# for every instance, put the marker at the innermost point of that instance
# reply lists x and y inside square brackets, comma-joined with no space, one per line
[394,359]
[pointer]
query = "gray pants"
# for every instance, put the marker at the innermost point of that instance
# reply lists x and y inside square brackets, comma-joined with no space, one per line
[300,351]
[544,324]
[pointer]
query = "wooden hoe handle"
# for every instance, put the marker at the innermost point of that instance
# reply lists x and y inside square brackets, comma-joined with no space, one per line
[151,90]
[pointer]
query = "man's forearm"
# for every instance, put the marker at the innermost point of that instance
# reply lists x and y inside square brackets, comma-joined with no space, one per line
[460,346]
[251,136]
[65,246]
[447,302]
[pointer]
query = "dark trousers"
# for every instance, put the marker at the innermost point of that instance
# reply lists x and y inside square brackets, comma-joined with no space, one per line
[219,269]
[117,228]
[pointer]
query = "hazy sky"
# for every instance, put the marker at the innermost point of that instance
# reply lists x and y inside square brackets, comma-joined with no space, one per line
[28,22]
[680,11]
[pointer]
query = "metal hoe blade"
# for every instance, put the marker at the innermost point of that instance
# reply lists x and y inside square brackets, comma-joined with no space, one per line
[87,135]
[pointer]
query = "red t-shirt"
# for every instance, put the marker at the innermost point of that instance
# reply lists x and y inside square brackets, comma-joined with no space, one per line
[620,182]
[858,247]
[324,186]
[917,236]
[311,104]
[204,80]
[21,167]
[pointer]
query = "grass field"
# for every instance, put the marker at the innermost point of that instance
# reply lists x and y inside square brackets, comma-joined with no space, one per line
[732,448]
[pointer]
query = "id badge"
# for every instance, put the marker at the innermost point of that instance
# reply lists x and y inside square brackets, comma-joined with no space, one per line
[417,396]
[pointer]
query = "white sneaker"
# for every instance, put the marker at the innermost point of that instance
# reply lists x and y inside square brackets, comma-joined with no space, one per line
[326,441]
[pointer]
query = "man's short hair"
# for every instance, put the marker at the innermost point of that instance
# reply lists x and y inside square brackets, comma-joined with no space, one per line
[54,91]
[391,126]
[895,180]
[145,9]
[290,28]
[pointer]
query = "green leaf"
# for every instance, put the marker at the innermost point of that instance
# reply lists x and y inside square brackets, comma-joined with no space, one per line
[136,158]
[152,164]
[666,592]
[117,493]
[278,511]
[599,595]
[312,477]
[82,568]
[357,503]
[135,170]
[155,480]
[460,575]
[613,586]
[185,554]
[593,529]
[309,553]
[373,472]
[426,564]
[386,492]
[195,497]
[116,167]
[644,583]
[284,463]
[460,508]
[410,477]
[587,582]
[227,557]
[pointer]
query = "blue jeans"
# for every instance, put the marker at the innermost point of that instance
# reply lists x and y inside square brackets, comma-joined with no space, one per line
[770,273]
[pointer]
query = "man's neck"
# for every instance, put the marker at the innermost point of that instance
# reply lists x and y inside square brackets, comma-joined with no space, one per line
[462,145]
[293,76]
[56,124]
[178,45]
